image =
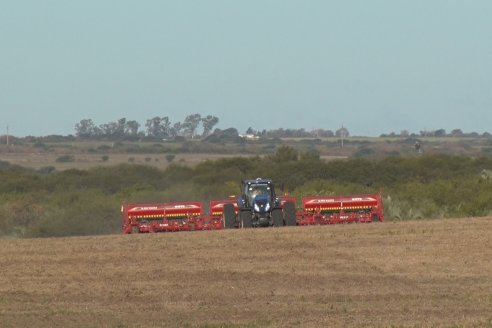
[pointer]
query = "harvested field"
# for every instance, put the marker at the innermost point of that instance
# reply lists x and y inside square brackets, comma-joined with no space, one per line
[418,273]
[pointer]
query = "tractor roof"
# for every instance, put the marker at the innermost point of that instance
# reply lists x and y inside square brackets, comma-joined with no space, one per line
[257,180]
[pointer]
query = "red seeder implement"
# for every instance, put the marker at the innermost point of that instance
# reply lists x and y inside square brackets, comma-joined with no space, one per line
[340,209]
[190,216]
[171,217]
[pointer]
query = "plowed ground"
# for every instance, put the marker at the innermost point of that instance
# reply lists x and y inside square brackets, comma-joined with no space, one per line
[419,273]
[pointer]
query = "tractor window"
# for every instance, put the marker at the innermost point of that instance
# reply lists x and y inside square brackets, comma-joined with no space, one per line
[257,189]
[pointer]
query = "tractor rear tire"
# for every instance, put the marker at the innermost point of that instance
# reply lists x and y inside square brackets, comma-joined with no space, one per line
[290,214]
[278,220]
[229,216]
[246,219]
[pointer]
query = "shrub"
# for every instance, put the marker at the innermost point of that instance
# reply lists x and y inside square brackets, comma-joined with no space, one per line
[4,165]
[40,146]
[65,159]
[104,148]
[364,152]
[47,169]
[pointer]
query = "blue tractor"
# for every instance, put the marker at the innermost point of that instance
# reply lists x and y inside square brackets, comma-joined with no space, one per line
[259,206]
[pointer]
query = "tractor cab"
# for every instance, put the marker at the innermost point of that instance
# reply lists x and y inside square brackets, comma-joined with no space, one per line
[258,191]
[258,202]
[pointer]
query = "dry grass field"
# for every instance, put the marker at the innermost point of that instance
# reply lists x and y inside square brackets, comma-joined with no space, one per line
[411,274]
[87,154]
[82,161]
[83,158]
[86,161]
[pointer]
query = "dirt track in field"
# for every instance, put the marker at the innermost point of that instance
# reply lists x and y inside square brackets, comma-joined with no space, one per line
[419,273]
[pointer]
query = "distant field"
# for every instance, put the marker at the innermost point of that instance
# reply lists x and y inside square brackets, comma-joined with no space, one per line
[83,161]
[87,154]
[418,273]
[83,158]
[87,161]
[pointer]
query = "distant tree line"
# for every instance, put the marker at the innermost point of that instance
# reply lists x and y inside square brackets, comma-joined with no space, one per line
[202,127]
[298,133]
[156,127]
[436,133]
[162,128]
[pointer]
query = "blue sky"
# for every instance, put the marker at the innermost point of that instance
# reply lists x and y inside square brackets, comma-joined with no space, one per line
[374,66]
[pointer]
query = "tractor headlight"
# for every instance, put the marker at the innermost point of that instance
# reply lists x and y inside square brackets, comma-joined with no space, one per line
[267,207]
[256,207]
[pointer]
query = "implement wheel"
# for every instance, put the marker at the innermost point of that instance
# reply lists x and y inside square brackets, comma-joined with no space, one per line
[290,214]
[229,216]
[246,219]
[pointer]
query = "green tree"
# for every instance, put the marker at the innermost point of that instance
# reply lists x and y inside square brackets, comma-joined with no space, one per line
[85,128]
[208,123]
[190,124]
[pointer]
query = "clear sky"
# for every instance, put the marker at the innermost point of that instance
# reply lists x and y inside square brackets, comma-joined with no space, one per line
[375,66]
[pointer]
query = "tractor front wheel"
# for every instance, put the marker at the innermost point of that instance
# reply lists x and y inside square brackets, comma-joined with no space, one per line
[246,219]
[277,217]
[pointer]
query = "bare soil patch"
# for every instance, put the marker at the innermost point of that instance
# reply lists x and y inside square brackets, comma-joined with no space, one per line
[418,273]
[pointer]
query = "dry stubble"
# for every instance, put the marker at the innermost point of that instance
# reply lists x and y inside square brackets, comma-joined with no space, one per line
[419,273]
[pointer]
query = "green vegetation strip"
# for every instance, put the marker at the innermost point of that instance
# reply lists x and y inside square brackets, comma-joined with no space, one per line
[88,202]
